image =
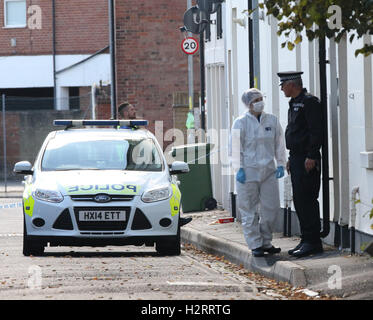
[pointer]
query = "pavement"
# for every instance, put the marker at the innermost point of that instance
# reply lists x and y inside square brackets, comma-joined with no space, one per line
[335,272]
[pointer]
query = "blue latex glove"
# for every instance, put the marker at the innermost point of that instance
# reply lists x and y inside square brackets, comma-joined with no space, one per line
[241,176]
[280,172]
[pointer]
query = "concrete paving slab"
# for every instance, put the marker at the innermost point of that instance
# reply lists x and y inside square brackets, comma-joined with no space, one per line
[333,272]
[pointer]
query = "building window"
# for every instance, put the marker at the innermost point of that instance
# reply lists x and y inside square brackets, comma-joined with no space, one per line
[15,13]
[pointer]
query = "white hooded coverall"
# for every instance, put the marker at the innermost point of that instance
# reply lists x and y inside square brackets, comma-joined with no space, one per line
[255,146]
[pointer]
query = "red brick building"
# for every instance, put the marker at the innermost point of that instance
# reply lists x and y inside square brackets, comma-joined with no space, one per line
[81,27]
[151,66]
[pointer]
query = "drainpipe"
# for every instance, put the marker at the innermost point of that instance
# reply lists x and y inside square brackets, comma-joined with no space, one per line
[54,54]
[355,190]
[93,100]
[112,59]
[251,46]
[256,45]
[287,207]
[325,148]
[233,203]
[4,141]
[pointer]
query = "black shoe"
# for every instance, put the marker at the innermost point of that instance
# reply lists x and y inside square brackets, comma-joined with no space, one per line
[291,251]
[308,249]
[272,250]
[184,221]
[258,252]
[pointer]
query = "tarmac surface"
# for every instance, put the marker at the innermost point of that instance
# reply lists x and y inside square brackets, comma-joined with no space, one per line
[333,272]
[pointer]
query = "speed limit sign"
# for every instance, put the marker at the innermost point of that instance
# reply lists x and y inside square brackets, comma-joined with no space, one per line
[190,45]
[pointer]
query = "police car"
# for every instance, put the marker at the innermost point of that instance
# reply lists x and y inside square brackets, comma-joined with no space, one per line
[95,184]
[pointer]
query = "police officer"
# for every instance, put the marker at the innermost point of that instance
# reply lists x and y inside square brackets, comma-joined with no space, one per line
[304,135]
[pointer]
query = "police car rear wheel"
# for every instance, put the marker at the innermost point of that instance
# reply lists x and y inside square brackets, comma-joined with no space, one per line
[169,247]
[31,247]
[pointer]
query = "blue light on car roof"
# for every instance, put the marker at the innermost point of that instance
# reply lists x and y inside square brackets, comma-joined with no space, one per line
[79,123]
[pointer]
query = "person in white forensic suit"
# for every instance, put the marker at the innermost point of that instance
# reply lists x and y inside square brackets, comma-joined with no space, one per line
[258,158]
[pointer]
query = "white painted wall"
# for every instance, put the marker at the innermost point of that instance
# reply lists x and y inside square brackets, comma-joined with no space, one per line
[358,176]
[37,71]
[305,57]
[85,74]
[26,71]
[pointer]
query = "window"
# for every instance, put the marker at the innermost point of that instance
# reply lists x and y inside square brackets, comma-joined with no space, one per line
[101,154]
[15,13]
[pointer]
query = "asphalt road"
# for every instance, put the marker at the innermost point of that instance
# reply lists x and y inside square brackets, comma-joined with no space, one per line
[124,273]
[128,272]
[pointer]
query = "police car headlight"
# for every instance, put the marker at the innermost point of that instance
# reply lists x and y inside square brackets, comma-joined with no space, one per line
[48,195]
[157,194]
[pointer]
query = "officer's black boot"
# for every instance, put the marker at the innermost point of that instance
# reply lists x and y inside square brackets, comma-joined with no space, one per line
[291,251]
[308,249]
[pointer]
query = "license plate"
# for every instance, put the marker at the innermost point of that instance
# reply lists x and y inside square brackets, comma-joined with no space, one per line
[102,215]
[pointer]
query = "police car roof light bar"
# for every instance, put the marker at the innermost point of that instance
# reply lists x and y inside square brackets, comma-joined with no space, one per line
[79,123]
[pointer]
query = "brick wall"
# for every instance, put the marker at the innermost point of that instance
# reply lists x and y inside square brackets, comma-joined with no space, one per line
[81,27]
[25,133]
[26,130]
[151,65]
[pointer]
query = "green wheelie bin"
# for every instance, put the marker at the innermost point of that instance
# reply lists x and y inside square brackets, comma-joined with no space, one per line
[195,186]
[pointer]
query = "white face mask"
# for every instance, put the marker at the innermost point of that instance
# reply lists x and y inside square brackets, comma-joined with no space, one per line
[258,106]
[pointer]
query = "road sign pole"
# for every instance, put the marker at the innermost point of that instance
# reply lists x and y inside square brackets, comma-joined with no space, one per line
[202,66]
[190,69]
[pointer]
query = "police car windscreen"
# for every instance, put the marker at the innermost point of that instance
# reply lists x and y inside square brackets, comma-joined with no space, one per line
[104,154]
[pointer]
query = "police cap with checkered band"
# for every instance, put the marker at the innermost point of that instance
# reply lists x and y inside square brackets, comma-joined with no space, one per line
[289,75]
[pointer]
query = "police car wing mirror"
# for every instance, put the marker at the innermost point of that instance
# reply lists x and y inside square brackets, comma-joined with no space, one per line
[23,167]
[178,167]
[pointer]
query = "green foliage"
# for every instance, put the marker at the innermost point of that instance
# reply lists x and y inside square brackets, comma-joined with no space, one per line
[297,16]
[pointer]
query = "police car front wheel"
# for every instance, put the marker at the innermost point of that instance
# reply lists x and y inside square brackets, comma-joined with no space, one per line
[31,247]
[169,247]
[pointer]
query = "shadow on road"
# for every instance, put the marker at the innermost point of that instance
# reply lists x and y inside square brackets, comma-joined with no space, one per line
[108,254]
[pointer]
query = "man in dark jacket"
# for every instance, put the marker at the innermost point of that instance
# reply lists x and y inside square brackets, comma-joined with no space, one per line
[304,136]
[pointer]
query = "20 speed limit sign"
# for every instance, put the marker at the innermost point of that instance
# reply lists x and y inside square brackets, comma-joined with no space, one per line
[190,45]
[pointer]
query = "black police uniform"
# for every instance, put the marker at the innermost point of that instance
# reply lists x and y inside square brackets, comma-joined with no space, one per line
[304,136]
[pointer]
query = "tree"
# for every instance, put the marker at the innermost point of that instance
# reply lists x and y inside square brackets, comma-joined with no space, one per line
[332,18]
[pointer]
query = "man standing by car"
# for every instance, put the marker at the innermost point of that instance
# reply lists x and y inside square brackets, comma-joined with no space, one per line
[304,136]
[127,111]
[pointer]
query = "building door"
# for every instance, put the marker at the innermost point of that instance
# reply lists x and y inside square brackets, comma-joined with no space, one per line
[218,131]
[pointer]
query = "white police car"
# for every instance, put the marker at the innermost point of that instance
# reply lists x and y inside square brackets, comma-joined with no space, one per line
[101,186]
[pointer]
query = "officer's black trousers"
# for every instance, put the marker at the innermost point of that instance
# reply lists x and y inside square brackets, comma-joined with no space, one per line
[306,187]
